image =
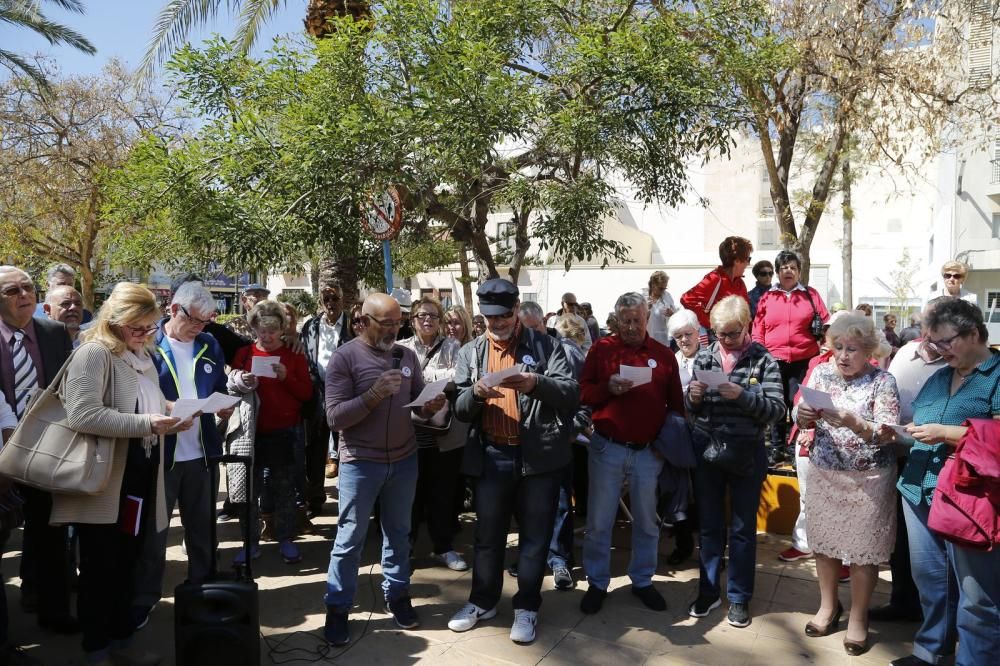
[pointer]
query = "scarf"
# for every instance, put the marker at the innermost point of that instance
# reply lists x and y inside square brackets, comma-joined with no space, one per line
[730,358]
[149,391]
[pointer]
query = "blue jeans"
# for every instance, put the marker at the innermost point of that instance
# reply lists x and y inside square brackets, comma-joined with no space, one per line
[501,492]
[362,483]
[561,545]
[931,565]
[610,465]
[978,620]
[744,498]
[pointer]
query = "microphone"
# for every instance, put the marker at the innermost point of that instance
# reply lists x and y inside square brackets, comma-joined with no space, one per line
[397,358]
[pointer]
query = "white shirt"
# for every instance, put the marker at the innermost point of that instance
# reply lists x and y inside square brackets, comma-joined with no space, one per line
[911,371]
[658,316]
[686,366]
[188,441]
[329,339]
[963,293]
[7,419]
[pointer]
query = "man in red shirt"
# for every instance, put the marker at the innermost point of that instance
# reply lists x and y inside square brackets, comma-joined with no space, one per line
[627,417]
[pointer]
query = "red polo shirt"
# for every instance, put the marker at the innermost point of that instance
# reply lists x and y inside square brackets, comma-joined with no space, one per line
[638,414]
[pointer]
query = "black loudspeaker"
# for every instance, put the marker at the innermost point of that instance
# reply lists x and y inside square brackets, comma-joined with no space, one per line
[217,624]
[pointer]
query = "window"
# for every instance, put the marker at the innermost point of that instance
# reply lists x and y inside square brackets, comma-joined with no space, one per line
[766,205]
[996,225]
[505,235]
[767,234]
[981,43]
[992,313]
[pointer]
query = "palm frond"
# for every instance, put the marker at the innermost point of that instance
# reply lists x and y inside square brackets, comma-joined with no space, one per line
[70,5]
[54,33]
[173,26]
[254,15]
[18,64]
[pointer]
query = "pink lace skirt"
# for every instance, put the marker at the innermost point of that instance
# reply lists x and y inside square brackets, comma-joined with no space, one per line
[851,515]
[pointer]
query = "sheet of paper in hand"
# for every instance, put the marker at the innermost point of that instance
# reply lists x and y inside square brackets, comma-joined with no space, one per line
[637,374]
[430,392]
[711,377]
[818,400]
[261,366]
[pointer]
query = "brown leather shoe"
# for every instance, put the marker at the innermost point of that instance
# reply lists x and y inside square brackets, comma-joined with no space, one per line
[331,469]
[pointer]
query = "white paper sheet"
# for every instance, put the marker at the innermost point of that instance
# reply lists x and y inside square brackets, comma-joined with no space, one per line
[495,378]
[711,377]
[637,374]
[216,402]
[818,400]
[900,430]
[260,366]
[431,391]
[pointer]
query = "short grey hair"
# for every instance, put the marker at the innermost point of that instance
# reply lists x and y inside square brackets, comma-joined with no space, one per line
[59,269]
[194,296]
[630,299]
[268,314]
[531,308]
[681,319]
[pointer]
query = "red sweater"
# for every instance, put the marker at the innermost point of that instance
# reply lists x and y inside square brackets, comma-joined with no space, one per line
[638,414]
[782,323]
[696,299]
[280,402]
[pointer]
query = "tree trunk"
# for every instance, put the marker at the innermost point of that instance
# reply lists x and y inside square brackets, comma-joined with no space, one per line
[847,243]
[342,270]
[319,12]
[466,279]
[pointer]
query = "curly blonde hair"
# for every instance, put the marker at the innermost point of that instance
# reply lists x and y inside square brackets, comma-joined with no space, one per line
[862,329]
[129,304]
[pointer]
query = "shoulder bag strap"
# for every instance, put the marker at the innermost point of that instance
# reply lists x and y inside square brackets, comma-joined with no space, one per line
[430,354]
[711,301]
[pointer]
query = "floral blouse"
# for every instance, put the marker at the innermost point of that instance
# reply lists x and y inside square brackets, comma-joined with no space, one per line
[873,397]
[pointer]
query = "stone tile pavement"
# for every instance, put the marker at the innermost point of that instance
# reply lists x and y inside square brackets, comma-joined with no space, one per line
[624,632]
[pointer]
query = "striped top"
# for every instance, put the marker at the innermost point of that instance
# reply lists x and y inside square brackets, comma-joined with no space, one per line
[976,398]
[501,415]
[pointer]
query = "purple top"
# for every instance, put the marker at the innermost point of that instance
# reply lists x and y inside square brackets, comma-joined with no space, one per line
[384,434]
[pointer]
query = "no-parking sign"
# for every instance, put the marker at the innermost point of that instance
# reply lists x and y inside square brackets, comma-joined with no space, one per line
[382,217]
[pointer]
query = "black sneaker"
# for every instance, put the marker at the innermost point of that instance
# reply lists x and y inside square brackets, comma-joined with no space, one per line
[562,578]
[592,600]
[650,598]
[140,616]
[335,631]
[512,569]
[704,605]
[403,613]
[739,614]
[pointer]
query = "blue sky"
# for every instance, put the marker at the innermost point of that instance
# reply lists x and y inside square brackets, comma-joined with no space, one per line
[123,28]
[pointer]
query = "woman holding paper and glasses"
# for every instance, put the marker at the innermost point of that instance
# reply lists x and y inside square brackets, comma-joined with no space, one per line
[731,416]
[851,474]
[111,390]
[440,441]
[280,378]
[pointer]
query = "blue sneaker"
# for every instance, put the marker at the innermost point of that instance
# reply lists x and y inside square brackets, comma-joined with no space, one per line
[241,556]
[335,631]
[403,613]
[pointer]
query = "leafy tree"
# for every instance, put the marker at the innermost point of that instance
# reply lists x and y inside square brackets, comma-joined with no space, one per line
[879,71]
[28,14]
[58,145]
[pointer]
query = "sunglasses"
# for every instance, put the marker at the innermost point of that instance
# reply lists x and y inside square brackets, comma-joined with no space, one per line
[766,273]
[952,276]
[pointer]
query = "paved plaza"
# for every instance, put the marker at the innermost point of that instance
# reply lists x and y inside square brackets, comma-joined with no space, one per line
[624,632]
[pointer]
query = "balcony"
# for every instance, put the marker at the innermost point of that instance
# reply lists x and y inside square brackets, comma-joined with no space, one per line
[993,186]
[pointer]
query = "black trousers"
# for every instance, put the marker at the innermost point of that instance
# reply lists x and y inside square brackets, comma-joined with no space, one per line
[434,502]
[904,591]
[792,374]
[108,559]
[317,447]
[45,556]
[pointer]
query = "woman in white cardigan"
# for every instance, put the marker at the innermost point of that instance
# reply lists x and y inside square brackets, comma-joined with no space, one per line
[111,390]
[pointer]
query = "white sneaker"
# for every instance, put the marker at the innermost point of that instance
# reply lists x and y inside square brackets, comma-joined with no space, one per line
[467,618]
[452,560]
[523,629]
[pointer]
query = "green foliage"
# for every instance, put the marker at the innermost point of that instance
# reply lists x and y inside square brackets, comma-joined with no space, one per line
[303,302]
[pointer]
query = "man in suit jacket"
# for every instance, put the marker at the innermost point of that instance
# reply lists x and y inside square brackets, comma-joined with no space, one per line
[320,337]
[32,351]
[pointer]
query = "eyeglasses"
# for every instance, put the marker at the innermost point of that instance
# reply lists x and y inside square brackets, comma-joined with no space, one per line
[734,335]
[358,320]
[195,320]
[766,273]
[385,323]
[16,289]
[943,345]
[426,316]
[952,276]
[140,330]
[506,315]
[66,305]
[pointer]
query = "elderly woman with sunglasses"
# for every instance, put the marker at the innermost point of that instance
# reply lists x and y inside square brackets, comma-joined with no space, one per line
[439,455]
[953,275]
[959,588]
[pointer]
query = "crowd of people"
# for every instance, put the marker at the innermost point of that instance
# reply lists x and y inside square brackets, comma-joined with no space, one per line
[544,418]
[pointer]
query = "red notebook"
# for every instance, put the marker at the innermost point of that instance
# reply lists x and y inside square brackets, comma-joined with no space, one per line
[131,515]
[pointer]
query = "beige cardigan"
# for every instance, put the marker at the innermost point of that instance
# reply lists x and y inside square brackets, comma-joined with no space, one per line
[87,396]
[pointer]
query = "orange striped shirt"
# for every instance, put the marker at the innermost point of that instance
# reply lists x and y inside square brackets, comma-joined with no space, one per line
[501,416]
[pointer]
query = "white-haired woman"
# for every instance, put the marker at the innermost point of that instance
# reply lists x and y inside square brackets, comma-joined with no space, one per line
[851,473]
[683,328]
[661,307]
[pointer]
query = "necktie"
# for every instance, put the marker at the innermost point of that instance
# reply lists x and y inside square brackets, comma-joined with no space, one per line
[25,377]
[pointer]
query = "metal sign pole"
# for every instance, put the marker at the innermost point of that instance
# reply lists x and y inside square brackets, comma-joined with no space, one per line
[387,259]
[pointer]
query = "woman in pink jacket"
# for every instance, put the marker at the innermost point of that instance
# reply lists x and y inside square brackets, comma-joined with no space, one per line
[784,324]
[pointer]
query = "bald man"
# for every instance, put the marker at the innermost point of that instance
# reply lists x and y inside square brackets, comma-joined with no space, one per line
[368,381]
[63,303]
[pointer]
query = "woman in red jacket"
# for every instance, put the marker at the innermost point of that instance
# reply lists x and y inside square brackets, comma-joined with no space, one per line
[725,280]
[783,324]
[281,389]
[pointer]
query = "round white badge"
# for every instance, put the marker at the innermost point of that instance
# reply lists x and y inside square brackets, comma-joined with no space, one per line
[406,371]
[528,359]
[651,362]
[207,367]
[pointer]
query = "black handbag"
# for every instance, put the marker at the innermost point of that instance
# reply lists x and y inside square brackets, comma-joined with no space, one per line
[733,454]
[816,324]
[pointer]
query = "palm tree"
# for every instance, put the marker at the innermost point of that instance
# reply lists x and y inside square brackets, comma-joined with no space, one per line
[178,17]
[28,14]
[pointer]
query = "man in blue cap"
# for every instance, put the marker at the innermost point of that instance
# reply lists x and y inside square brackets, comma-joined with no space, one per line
[518,446]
